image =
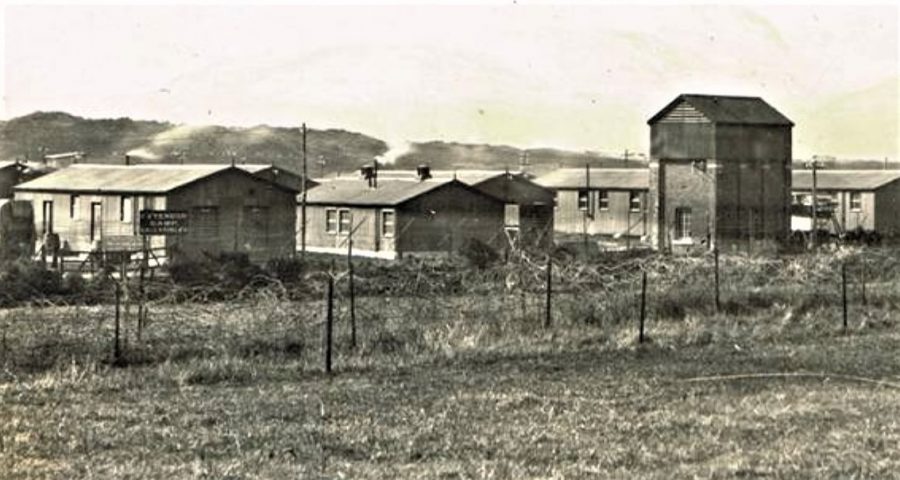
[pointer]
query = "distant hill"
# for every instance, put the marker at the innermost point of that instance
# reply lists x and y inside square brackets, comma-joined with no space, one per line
[329,151]
[109,140]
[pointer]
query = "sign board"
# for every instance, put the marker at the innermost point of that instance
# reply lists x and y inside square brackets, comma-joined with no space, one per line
[163,222]
[121,243]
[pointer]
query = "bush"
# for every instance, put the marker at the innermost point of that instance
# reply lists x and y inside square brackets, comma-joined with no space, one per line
[287,270]
[229,271]
[478,254]
[25,280]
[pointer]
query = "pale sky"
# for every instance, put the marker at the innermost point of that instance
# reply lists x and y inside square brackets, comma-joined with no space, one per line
[583,77]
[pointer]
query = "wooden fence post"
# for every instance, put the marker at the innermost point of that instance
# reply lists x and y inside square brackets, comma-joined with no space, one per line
[643,305]
[329,322]
[844,291]
[862,280]
[548,314]
[142,293]
[716,259]
[117,349]
[352,295]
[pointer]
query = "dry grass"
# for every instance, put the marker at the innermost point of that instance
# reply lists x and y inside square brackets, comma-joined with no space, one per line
[459,387]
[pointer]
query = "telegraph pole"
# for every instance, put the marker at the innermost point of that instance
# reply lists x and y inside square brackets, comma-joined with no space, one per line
[304,180]
[815,207]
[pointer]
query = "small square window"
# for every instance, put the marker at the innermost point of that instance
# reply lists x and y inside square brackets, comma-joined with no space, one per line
[634,201]
[583,200]
[603,200]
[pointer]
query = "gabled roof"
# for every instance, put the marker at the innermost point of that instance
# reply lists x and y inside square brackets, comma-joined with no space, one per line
[8,164]
[145,178]
[389,192]
[601,178]
[467,176]
[844,179]
[726,109]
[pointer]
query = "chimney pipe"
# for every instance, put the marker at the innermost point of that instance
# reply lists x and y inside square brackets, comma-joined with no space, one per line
[374,173]
[368,173]
[423,172]
[127,159]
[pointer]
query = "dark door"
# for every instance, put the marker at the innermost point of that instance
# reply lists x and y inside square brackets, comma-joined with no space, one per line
[47,225]
[96,221]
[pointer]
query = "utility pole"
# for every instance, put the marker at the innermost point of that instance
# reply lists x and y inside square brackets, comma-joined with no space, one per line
[588,213]
[815,204]
[303,182]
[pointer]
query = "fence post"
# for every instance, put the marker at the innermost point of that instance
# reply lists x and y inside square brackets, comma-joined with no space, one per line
[862,279]
[643,305]
[141,289]
[329,322]
[117,350]
[716,259]
[352,295]
[549,316]
[844,291]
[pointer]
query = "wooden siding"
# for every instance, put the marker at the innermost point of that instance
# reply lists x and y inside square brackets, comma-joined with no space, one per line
[682,141]
[684,113]
[74,226]
[616,220]
[365,220]
[535,207]
[445,218]
[887,210]
[253,217]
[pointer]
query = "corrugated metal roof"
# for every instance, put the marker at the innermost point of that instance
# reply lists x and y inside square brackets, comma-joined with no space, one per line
[844,179]
[390,191]
[607,178]
[145,178]
[726,109]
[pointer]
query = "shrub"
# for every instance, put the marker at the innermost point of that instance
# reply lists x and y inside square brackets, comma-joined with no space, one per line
[478,253]
[287,270]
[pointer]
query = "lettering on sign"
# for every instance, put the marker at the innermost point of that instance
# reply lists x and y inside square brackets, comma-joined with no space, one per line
[163,222]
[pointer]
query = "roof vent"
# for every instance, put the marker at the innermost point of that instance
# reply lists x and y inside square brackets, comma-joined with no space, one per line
[423,172]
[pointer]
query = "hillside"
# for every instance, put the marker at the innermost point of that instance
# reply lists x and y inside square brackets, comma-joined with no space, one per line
[109,140]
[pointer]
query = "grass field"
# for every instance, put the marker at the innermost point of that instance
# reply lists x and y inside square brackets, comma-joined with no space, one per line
[460,386]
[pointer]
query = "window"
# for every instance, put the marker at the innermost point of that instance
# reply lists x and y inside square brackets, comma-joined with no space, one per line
[682,223]
[74,205]
[331,221]
[855,201]
[126,209]
[388,222]
[583,200]
[344,222]
[603,200]
[634,201]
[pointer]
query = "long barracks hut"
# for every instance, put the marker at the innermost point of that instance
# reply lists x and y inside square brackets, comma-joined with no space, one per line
[868,200]
[393,217]
[94,207]
[528,206]
[720,173]
[607,203]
